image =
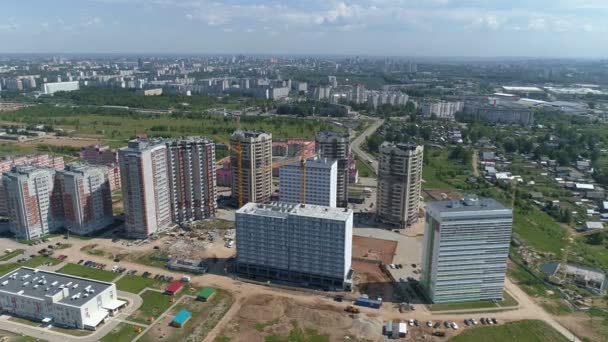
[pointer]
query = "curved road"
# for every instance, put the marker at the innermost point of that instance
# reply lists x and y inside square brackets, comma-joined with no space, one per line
[355,145]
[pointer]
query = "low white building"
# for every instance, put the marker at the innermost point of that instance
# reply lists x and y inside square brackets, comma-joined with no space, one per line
[51,88]
[58,299]
[321,182]
[307,245]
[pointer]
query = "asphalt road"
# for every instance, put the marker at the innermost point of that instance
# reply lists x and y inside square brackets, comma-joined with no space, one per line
[355,145]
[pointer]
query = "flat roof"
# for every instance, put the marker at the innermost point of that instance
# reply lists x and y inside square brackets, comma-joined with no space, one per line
[518,88]
[39,284]
[283,210]
[182,316]
[465,205]
[206,292]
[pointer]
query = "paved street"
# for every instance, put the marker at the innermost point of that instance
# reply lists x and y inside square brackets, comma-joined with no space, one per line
[355,145]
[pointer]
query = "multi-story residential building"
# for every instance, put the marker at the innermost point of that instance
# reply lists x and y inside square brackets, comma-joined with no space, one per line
[399,183]
[308,245]
[87,199]
[51,88]
[145,187]
[496,111]
[35,207]
[192,178]
[251,166]
[41,160]
[321,182]
[335,145]
[104,155]
[14,84]
[444,110]
[57,298]
[465,251]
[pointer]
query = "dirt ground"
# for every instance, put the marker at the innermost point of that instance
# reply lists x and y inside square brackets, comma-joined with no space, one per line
[584,326]
[263,316]
[374,249]
[440,195]
[370,280]
[63,141]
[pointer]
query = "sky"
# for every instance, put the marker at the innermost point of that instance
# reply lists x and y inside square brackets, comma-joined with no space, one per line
[442,28]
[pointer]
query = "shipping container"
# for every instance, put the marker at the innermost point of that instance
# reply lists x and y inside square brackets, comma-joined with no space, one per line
[370,303]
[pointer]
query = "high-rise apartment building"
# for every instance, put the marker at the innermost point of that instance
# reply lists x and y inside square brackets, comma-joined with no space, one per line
[465,251]
[305,244]
[320,178]
[335,145]
[251,166]
[87,199]
[399,183]
[145,187]
[192,178]
[35,207]
[104,155]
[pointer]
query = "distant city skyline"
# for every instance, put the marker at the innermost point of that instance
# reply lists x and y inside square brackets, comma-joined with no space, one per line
[443,28]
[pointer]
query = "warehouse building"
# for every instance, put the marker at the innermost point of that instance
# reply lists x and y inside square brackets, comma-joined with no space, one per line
[465,250]
[308,245]
[58,299]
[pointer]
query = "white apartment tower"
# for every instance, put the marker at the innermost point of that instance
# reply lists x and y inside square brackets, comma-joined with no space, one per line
[34,201]
[145,187]
[308,245]
[335,145]
[399,183]
[251,166]
[465,251]
[321,182]
[192,179]
[87,199]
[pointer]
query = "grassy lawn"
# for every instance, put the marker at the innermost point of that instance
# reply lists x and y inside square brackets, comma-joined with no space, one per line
[205,316]
[33,262]
[155,303]
[364,170]
[154,259]
[8,256]
[439,172]
[122,333]
[12,337]
[506,302]
[521,331]
[73,332]
[24,321]
[88,272]
[527,281]
[134,284]
[539,230]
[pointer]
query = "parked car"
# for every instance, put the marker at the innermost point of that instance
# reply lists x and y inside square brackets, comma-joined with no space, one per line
[446,324]
[429,323]
[437,325]
[494,321]
[454,326]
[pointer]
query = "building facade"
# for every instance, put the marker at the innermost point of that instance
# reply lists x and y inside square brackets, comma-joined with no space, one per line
[444,110]
[51,88]
[192,178]
[251,166]
[399,183]
[104,155]
[307,245]
[321,182]
[87,199]
[335,145]
[35,206]
[145,187]
[465,251]
[59,299]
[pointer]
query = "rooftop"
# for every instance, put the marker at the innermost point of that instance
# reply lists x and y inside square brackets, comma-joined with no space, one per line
[283,210]
[466,204]
[39,284]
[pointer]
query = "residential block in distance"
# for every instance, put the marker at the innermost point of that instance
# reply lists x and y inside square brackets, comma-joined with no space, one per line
[308,245]
[145,187]
[465,251]
[87,199]
[321,182]
[35,206]
[399,183]
[58,299]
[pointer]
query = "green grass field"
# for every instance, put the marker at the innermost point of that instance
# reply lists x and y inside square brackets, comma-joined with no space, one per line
[364,170]
[8,256]
[134,284]
[528,282]
[88,272]
[520,331]
[155,303]
[508,301]
[298,334]
[539,230]
[122,333]
[439,172]
[33,262]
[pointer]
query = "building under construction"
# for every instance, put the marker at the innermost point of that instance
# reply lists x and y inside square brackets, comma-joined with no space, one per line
[251,166]
[335,145]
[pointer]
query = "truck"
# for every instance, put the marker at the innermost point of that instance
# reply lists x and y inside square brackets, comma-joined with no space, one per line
[367,302]
[402,329]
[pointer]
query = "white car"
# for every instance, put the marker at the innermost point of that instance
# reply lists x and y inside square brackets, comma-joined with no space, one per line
[392,266]
[474,321]
[429,323]
[454,326]
[411,322]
